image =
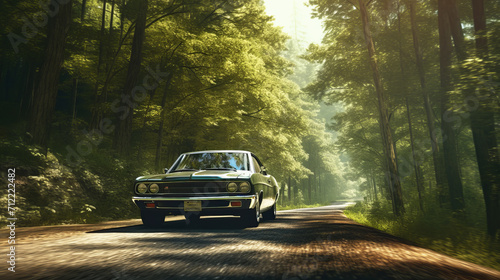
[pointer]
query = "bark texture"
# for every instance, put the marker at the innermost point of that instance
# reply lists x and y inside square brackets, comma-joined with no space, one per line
[45,95]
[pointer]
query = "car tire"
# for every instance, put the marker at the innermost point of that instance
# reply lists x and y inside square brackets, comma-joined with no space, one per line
[252,217]
[152,219]
[270,214]
[192,218]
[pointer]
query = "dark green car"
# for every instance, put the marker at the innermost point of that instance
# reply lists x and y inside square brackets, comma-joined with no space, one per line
[208,183]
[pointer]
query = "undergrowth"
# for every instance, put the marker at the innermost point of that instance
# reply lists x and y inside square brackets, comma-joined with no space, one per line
[436,229]
[50,191]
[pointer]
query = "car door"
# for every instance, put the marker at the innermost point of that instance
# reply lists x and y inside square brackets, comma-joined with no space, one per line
[263,181]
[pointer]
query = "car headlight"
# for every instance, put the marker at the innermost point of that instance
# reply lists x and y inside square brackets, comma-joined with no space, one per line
[244,187]
[154,188]
[232,187]
[142,188]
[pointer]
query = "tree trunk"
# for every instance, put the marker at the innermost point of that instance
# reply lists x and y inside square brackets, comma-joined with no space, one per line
[389,149]
[289,190]
[449,142]
[97,108]
[102,39]
[483,132]
[124,131]
[84,10]
[142,130]
[321,189]
[75,94]
[416,165]
[110,40]
[309,188]
[436,153]
[456,29]
[45,96]
[159,142]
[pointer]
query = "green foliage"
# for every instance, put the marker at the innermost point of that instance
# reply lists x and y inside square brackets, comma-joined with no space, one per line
[435,229]
[49,192]
[228,87]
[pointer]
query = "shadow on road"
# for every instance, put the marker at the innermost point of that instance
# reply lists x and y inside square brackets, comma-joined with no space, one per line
[290,228]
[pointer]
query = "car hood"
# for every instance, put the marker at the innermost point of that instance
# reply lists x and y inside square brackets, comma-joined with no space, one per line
[197,175]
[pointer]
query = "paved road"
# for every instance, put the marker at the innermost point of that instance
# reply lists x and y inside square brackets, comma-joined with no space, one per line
[316,243]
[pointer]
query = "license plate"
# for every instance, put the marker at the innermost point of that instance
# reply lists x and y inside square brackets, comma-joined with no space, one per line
[192,206]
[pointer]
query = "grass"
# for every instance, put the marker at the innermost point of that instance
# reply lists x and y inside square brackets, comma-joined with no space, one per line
[436,229]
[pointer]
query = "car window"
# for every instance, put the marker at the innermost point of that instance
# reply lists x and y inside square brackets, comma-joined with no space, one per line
[204,161]
[256,165]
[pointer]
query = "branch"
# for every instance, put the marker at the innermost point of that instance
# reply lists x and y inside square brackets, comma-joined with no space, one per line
[172,12]
[256,112]
[350,2]
[212,12]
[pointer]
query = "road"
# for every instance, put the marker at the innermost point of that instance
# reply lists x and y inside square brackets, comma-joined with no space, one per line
[315,243]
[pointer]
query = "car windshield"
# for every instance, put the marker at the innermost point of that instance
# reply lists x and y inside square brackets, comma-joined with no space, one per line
[213,161]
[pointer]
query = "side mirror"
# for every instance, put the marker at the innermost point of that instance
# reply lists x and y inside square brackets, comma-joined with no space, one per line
[166,170]
[263,170]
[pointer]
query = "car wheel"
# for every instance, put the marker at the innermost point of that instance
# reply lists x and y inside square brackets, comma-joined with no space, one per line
[270,214]
[192,218]
[152,219]
[252,218]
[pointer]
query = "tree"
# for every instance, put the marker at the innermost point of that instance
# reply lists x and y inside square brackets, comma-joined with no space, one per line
[449,133]
[45,95]
[389,147]
[124,131]
[483,124]
[436,152]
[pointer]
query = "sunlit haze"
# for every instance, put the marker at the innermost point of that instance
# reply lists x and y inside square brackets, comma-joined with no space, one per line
[295,17]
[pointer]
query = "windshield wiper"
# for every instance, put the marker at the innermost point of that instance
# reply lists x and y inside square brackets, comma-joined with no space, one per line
[185,169]
[222,168]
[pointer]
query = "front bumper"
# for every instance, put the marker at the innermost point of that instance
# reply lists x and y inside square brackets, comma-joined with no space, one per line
[210,205]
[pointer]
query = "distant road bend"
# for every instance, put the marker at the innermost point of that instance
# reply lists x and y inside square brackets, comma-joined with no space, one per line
[315,243]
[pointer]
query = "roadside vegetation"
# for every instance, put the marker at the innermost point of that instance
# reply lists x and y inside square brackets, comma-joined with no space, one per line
[435,229]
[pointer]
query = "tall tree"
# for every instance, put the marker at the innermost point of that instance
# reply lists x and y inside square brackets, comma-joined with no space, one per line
[436,152]
[97,110]
[389,148]
[45,95]
[124,130]
[416,165]
[483,130]
[451,160]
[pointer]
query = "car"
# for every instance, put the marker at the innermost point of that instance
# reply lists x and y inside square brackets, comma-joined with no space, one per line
[221,182]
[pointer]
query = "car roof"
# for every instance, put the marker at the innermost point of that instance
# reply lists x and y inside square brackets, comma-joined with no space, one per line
[218,151]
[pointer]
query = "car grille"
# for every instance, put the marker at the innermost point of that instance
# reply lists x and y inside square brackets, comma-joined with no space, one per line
[192,187]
